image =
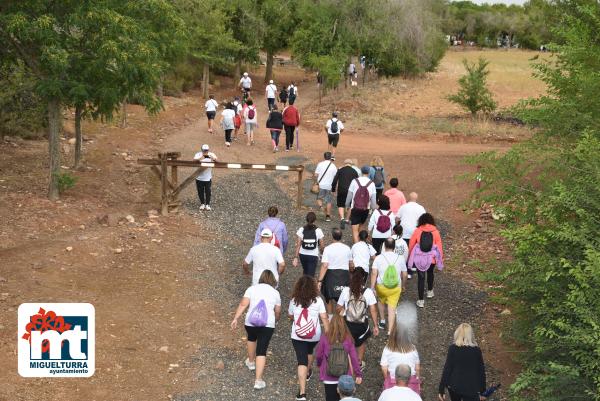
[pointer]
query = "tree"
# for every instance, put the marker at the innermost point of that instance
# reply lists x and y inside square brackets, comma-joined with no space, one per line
[278,18]
[473,94]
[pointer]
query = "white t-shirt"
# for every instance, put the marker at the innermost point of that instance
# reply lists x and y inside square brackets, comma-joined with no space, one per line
[295,89]
[345,297]
[385,259]
[211,105]
[337,256]
[228,116]
[401,247]
[246,82]
[314,310]
[264,256]
[351,68]
[362,253]
[265,292]
[339,123]
[373,223]
[312,252]
[409,214]
[392,359]
[363,181]
[206,175]
[271,91]
[399,393]
[325,177]
[253,120]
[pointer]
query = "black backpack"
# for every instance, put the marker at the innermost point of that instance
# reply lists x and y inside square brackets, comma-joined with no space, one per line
[309,239]
[426,241]
[292,92]
[334,126]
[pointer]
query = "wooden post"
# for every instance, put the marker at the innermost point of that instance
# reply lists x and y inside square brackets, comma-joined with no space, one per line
[164,198]
[300,188]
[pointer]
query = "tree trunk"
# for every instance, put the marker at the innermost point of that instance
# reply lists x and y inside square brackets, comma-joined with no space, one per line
[78,137]
[237,73]
[54,125]
[205,80]
[123,122]
[269,69]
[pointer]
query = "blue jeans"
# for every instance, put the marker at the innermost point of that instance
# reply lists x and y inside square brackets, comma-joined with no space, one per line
[275,136]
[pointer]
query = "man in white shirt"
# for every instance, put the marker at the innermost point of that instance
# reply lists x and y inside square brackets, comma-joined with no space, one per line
[357,204]
[409,214]
[333,128]
[400,391]
[211,106]
[204,179]
[264,256]
[270,94]
[324,176]
[246,83]
[292,92]
[336,264]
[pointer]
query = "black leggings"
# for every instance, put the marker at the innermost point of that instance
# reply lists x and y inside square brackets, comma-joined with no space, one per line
[331,393]
[261,336]
[303,349]
[228,135]
[289,136]
[204,191]
[458,397]
[309,264]
[421,281]
[377,243]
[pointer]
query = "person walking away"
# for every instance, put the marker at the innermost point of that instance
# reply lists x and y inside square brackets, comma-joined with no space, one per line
[377,174]
[275,125]
[309,243]
[464,370]
[341,182]
[388,278]
[333,128]
[246,85]
[400,350]
[336,356]
[264,309]
[237,121]
[355,167]
[271,94]
[277,227]
[306,307]
[336,264]
[292,92]
[346,388]
[251,120]
[401,246]
[324,175]
[264,256]
[425,250]
[283,96]
[396,196]
[361,198]
[204,179]
[356,303]
[228,122]
[351,73]
[408,214]
[291,120]
[400,391]
[381,222]
[211,106]
[363,252]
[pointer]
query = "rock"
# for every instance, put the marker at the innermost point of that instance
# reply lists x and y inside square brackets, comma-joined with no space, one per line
[69,248]
[118,250]
[220,365]
[72,141]
[3,280]
[110,219]
[164,348]
[130,218]
[82,227]
[153,214]
[506,312]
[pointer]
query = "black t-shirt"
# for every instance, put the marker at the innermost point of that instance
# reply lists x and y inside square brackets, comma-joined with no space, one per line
[343,179]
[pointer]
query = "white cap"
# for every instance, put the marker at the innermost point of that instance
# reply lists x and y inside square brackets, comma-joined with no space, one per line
[245,74]
[271,81]
[266,233]
[205,147]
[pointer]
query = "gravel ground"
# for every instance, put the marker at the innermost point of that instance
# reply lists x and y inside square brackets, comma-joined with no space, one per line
[240,203]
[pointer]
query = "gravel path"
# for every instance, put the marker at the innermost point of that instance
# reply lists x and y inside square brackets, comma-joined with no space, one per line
[240,203]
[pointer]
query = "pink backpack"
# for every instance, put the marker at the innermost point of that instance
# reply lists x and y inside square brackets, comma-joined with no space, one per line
[362,197]
[383,222]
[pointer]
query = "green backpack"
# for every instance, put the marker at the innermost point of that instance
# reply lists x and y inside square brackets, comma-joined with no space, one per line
[390,276]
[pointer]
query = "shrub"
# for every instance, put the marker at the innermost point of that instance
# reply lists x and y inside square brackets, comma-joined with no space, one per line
[65,181]
[473,94]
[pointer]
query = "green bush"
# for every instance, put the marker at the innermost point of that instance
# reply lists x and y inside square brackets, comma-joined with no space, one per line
[473,94]
[65,181]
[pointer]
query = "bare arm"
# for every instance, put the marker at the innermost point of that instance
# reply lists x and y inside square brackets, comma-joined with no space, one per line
[373,277]
[246,267]
[373,312]
[240,309]
[281,267]
[277,312]
[325,321]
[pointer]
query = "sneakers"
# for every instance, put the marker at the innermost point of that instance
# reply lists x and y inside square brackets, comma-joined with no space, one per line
[421,303]
[327,218]
[250,365]
[301,397]
[309,375]
[430,294]
[208,207]
[363,365]
[343,224]
[259,384]
[409,276]
[228,144]
[202,207]
[381,325]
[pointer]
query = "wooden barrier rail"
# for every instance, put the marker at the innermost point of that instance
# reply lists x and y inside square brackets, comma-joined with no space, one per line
[170,189]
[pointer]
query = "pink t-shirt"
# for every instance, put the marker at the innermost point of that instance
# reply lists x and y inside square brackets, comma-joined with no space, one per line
[397,199]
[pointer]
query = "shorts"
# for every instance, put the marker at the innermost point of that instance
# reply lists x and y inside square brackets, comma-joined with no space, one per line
[360,332]
[388,296]
[303,349]
[333,283]
[341,199]
[250,127]
[262,337]
[325,195]
[333,139]
[211,115]
[358,216]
